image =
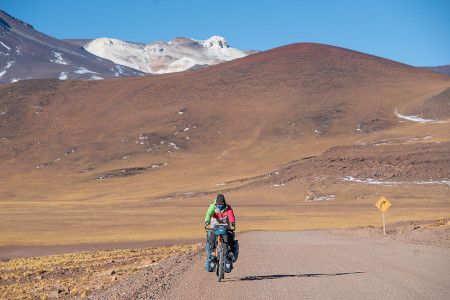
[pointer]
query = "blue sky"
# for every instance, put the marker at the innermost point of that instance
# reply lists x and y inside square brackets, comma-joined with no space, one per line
[415,32]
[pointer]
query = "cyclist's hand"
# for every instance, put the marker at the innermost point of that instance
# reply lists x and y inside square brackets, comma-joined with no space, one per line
[207,223]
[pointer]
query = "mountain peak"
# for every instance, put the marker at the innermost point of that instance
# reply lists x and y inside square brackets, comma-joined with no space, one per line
[6,20]
[214,41]
[180,54]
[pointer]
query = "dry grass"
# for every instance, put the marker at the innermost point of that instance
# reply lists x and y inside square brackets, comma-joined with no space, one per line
[75,274]
[265,208]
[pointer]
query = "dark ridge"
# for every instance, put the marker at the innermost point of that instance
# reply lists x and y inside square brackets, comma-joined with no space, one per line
[5,24]
[440,69]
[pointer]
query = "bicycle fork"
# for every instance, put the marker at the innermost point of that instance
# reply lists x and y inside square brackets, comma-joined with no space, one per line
[219,244]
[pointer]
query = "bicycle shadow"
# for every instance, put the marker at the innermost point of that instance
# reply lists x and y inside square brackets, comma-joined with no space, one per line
[278,276]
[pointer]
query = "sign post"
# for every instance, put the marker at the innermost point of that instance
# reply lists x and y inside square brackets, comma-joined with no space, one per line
[383,205]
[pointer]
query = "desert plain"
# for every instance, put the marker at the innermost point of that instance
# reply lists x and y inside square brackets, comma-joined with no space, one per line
[305,136]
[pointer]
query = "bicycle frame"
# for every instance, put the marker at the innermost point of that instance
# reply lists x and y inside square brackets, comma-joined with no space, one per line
[220,230]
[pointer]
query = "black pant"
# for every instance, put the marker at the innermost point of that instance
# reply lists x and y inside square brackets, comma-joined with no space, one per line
[227,239]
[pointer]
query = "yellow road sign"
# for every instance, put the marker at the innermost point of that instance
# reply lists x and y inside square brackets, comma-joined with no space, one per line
[383,204]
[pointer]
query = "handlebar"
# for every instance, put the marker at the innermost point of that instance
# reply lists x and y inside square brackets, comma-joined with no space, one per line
[211,229]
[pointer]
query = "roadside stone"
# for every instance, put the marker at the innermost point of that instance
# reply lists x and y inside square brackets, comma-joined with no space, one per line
[108,272]
[55,293]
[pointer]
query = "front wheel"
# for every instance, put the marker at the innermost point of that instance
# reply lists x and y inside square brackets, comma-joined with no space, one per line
[220,270]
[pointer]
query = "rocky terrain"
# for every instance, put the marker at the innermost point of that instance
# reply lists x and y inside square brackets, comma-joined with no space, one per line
[76,275]
[383,163]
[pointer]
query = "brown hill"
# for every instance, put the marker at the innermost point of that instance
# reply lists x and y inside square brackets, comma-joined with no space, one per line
[135,139]
[436,107]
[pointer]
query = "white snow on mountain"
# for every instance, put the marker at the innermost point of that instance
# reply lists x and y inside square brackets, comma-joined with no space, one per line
[58,58]
[416,118]
[178,55]
[82,70]
[3,44]
[8,65]
[63,76]
[120,52]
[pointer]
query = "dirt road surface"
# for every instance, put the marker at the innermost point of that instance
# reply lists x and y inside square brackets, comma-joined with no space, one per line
[316,265]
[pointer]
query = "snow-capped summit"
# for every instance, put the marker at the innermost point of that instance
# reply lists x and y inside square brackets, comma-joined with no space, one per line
[215,41]
[159,57]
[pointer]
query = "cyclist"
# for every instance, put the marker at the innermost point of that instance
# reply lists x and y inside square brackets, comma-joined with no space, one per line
[219,213]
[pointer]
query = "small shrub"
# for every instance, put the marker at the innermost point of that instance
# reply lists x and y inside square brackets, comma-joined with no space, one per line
[44,296]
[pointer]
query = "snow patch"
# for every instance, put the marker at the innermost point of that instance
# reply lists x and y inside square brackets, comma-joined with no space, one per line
[373,181]
[173,145]
[82,70]
[320,198]
[3,44]
[119,69]
[8,65]
[58,59]
[62,76]
[158,165]
[417,119]
[412,140]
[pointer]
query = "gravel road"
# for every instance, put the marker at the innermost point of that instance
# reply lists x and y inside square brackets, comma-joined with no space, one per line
[316,265]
